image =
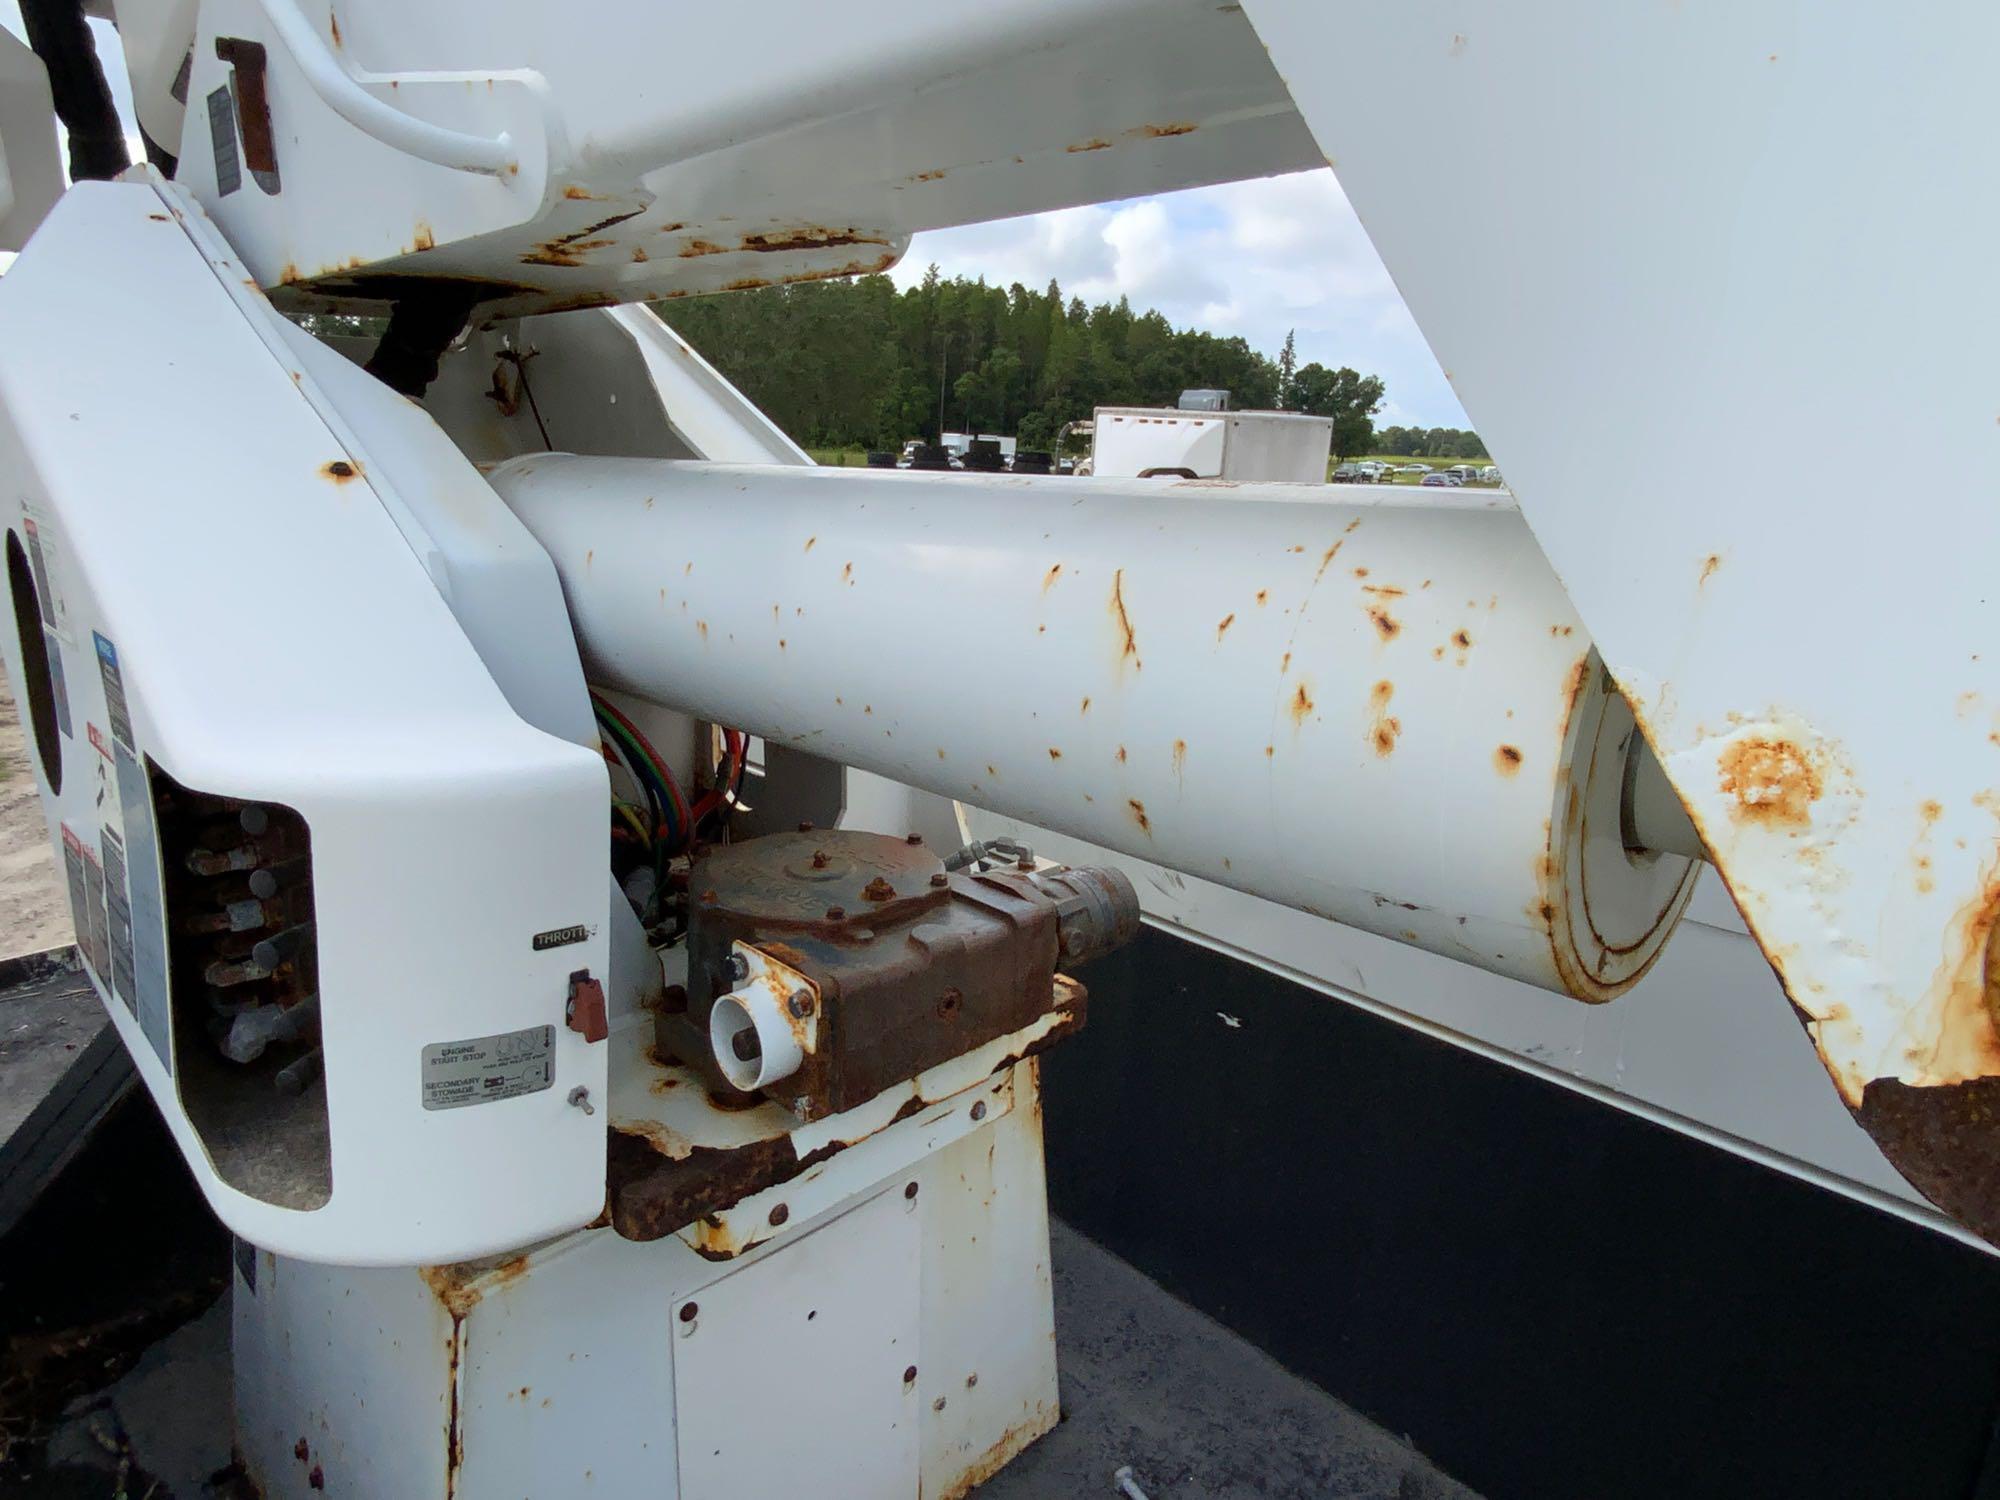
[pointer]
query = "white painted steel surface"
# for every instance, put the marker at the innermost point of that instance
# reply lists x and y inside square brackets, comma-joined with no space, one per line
[195,523]
[559,1371]
[1380,711]
[31,174]
[1670,191]
[806,142]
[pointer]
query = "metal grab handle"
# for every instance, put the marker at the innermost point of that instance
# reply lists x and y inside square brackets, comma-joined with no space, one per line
[493,156]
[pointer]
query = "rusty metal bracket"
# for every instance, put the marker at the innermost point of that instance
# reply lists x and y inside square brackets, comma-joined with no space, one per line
[585,1012]
[247,86]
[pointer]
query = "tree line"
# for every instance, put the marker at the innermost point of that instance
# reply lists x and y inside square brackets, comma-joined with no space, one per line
[855,363]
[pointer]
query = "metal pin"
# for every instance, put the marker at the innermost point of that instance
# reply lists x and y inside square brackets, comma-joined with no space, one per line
[580,1097]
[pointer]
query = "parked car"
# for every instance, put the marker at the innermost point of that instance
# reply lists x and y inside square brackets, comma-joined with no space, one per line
[1489,475]
[1437,481]
[1463,473]
[1414,469]
[1346,474]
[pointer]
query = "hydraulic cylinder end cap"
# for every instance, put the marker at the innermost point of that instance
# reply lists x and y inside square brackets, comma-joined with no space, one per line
[1097,910]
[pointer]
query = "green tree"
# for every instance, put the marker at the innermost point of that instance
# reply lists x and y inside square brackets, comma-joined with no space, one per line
[1351,399]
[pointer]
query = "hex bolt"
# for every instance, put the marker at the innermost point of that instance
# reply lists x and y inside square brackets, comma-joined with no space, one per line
[778,1214]
[805,825]
[580,1097]
[821,859]
[940,880]
[878,889]
[801,1003]
[738,968]
[1027,866]
[835,913]
[979,1109]
[913,838]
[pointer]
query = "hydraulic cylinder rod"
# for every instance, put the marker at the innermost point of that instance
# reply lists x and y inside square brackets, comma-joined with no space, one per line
[1375,707]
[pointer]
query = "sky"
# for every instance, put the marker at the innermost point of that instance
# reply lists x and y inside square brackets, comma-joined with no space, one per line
[1255,258]
[1252,258]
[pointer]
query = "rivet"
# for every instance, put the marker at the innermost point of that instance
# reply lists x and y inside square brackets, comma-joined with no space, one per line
[805,825]
[909,1190]
[913,838]
[801,1003]
[910,1375]
[835,913]
[688,1311]
[778,1215]
[979,1109]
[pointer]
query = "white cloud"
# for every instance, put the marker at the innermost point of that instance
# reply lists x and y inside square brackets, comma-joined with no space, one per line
[1251,258]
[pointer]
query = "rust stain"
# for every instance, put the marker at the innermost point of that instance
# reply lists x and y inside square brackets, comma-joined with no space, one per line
[1129,650]
[745,284]
[1386,624]
[1177,127]
[1263,596]
[1326,558]
[1054,754]
[812,238]
[1284,663]
[639,255]
[1360,572]
[1049,578]
[1774,781]
[1085,708]
[847,573]
[1121,755]
[1382,590]
[1139,815]
[931,176]
[1507,760]
[1180,759]
[1088,146]
[1708,567]
[1301,706]
[695,248]
[1384,729]
[1223,629]
[340,471]
[702,626]
[425,240]
[810,541]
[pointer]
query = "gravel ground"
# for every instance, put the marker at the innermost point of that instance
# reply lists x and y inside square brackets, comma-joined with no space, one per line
[34,910]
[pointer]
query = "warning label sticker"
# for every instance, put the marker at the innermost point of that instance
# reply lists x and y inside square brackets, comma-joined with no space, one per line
[484,1068]
[114,691]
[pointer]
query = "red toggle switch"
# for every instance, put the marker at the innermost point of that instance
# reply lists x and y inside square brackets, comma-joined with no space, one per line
[585,1011]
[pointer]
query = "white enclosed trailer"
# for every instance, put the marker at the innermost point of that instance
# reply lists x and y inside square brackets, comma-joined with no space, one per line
[1280,447]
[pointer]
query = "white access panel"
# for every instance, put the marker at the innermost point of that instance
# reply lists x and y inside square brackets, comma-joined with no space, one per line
[798,1374]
